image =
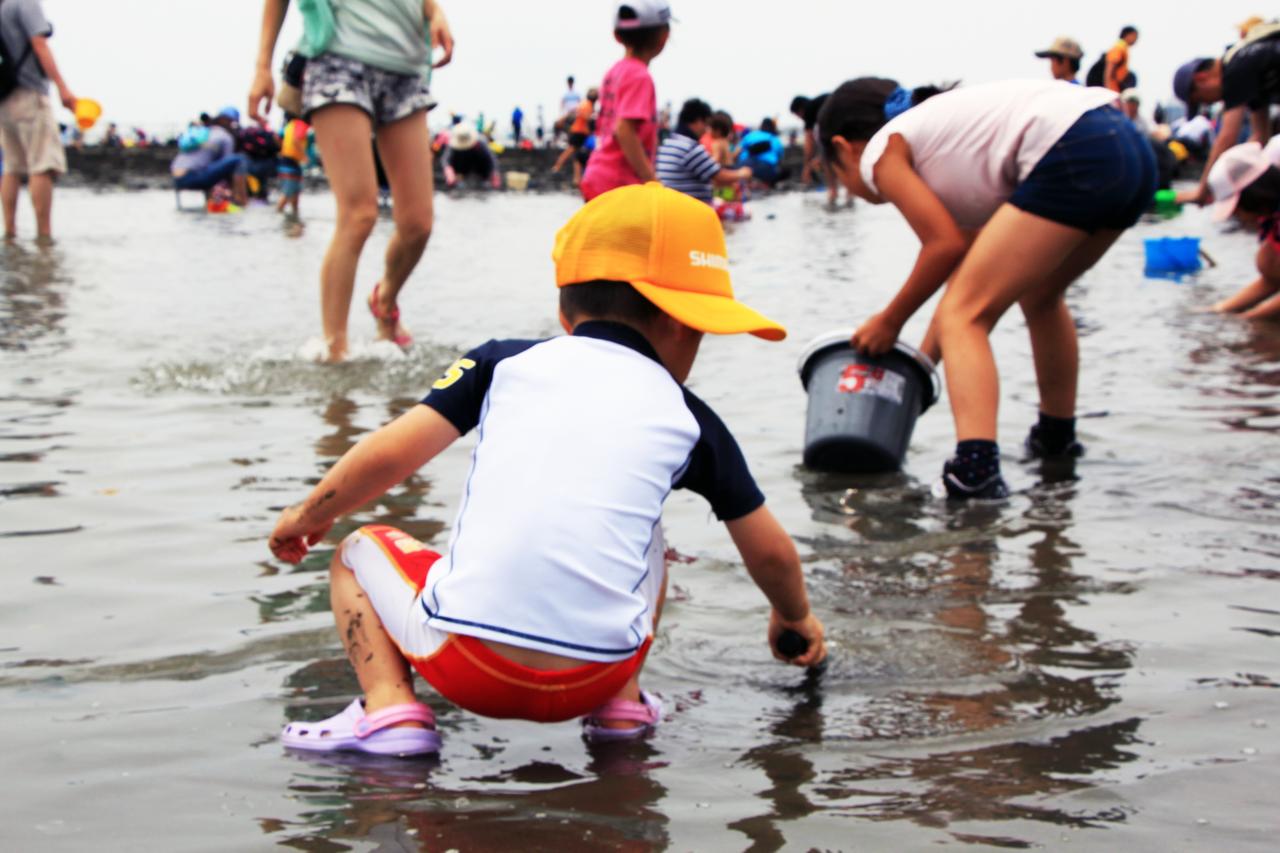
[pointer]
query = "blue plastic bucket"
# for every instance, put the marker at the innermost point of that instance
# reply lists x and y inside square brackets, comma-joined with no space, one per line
[862,409]
[1171,255]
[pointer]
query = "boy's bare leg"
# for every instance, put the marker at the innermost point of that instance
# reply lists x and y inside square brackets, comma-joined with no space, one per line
[40,188]
[383,672]
[10,184]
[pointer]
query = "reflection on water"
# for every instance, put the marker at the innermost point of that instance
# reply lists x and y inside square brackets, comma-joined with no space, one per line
[32,296]
[1064,660]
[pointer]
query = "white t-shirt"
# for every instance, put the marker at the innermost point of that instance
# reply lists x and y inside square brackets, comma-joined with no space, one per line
[972,146]
[582,438]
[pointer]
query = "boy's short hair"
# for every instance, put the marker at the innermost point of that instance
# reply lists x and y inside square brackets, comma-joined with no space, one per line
[694,109]
[606,300]
[1129,30]
[641,38]
[798,105]
[721,122]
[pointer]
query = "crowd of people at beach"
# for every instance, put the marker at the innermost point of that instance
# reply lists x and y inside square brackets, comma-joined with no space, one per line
[545,603]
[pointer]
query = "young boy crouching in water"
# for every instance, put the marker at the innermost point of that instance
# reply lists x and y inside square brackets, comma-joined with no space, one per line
[546,601]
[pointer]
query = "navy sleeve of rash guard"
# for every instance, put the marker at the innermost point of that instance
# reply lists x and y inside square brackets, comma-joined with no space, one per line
[459,394]
[717,469]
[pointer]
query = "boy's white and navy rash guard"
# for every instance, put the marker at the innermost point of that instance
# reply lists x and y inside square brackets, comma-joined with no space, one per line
[581,439]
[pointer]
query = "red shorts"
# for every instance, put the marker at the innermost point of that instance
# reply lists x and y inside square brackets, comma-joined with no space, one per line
[391,567]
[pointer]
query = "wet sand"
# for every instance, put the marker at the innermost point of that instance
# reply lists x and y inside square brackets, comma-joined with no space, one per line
[1093,663]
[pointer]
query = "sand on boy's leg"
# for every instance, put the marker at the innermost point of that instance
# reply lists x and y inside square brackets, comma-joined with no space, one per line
[383,672]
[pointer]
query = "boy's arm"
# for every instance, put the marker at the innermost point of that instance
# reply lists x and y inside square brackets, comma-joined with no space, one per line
[44,55]
[774,565]
[629,141]
[379,461]
[727,176]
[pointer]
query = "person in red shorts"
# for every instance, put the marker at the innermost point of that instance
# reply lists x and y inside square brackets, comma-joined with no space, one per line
[544,605]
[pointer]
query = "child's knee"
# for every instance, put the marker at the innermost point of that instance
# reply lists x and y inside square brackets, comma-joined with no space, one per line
[416,227]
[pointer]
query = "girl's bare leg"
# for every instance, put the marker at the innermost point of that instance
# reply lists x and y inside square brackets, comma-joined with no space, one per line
[405,148]
[1007,261]
[1053,331]
[344,135]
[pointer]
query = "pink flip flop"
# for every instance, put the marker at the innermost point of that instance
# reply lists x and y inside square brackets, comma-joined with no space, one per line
[402,340]
[353,730]
[647,713]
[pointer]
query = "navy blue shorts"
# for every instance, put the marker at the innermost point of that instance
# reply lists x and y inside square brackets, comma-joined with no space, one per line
[1101,175]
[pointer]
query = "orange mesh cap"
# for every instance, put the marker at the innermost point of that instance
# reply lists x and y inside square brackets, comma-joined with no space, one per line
[665,244]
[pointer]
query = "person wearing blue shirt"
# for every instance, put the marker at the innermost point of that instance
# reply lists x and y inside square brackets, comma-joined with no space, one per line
[761,151]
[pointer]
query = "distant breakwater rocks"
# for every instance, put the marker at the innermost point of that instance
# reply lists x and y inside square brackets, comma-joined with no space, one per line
[148,168]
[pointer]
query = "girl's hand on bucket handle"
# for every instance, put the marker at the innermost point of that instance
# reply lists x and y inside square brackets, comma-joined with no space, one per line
[877,335]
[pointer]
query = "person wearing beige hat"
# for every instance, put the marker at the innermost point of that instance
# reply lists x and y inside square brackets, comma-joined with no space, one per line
[1064,58]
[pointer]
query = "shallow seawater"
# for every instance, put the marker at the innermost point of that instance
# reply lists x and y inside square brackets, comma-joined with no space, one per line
[1094,662]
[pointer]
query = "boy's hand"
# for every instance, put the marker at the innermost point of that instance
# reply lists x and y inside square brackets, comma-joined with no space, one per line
[809,628]
[291,538]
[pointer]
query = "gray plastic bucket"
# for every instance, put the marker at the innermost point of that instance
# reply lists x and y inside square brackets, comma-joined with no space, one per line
[862,409]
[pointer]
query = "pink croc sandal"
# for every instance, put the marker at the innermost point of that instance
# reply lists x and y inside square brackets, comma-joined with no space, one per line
[353,730]
[647,713]
[402,340]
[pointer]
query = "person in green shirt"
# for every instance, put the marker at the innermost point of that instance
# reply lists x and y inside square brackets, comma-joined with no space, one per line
[368,75]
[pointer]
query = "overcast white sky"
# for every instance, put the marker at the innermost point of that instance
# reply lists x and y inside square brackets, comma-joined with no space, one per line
[158,62]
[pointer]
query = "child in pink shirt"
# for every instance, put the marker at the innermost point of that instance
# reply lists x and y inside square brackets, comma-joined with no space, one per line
[627,128]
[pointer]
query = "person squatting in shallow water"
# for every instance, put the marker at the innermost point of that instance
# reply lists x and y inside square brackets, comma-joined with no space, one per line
[1246,183]
[544,609]
[366,76]
[1014,189]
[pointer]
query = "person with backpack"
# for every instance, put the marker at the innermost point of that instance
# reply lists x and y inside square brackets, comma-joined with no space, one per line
[29,133]
[1111,71]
